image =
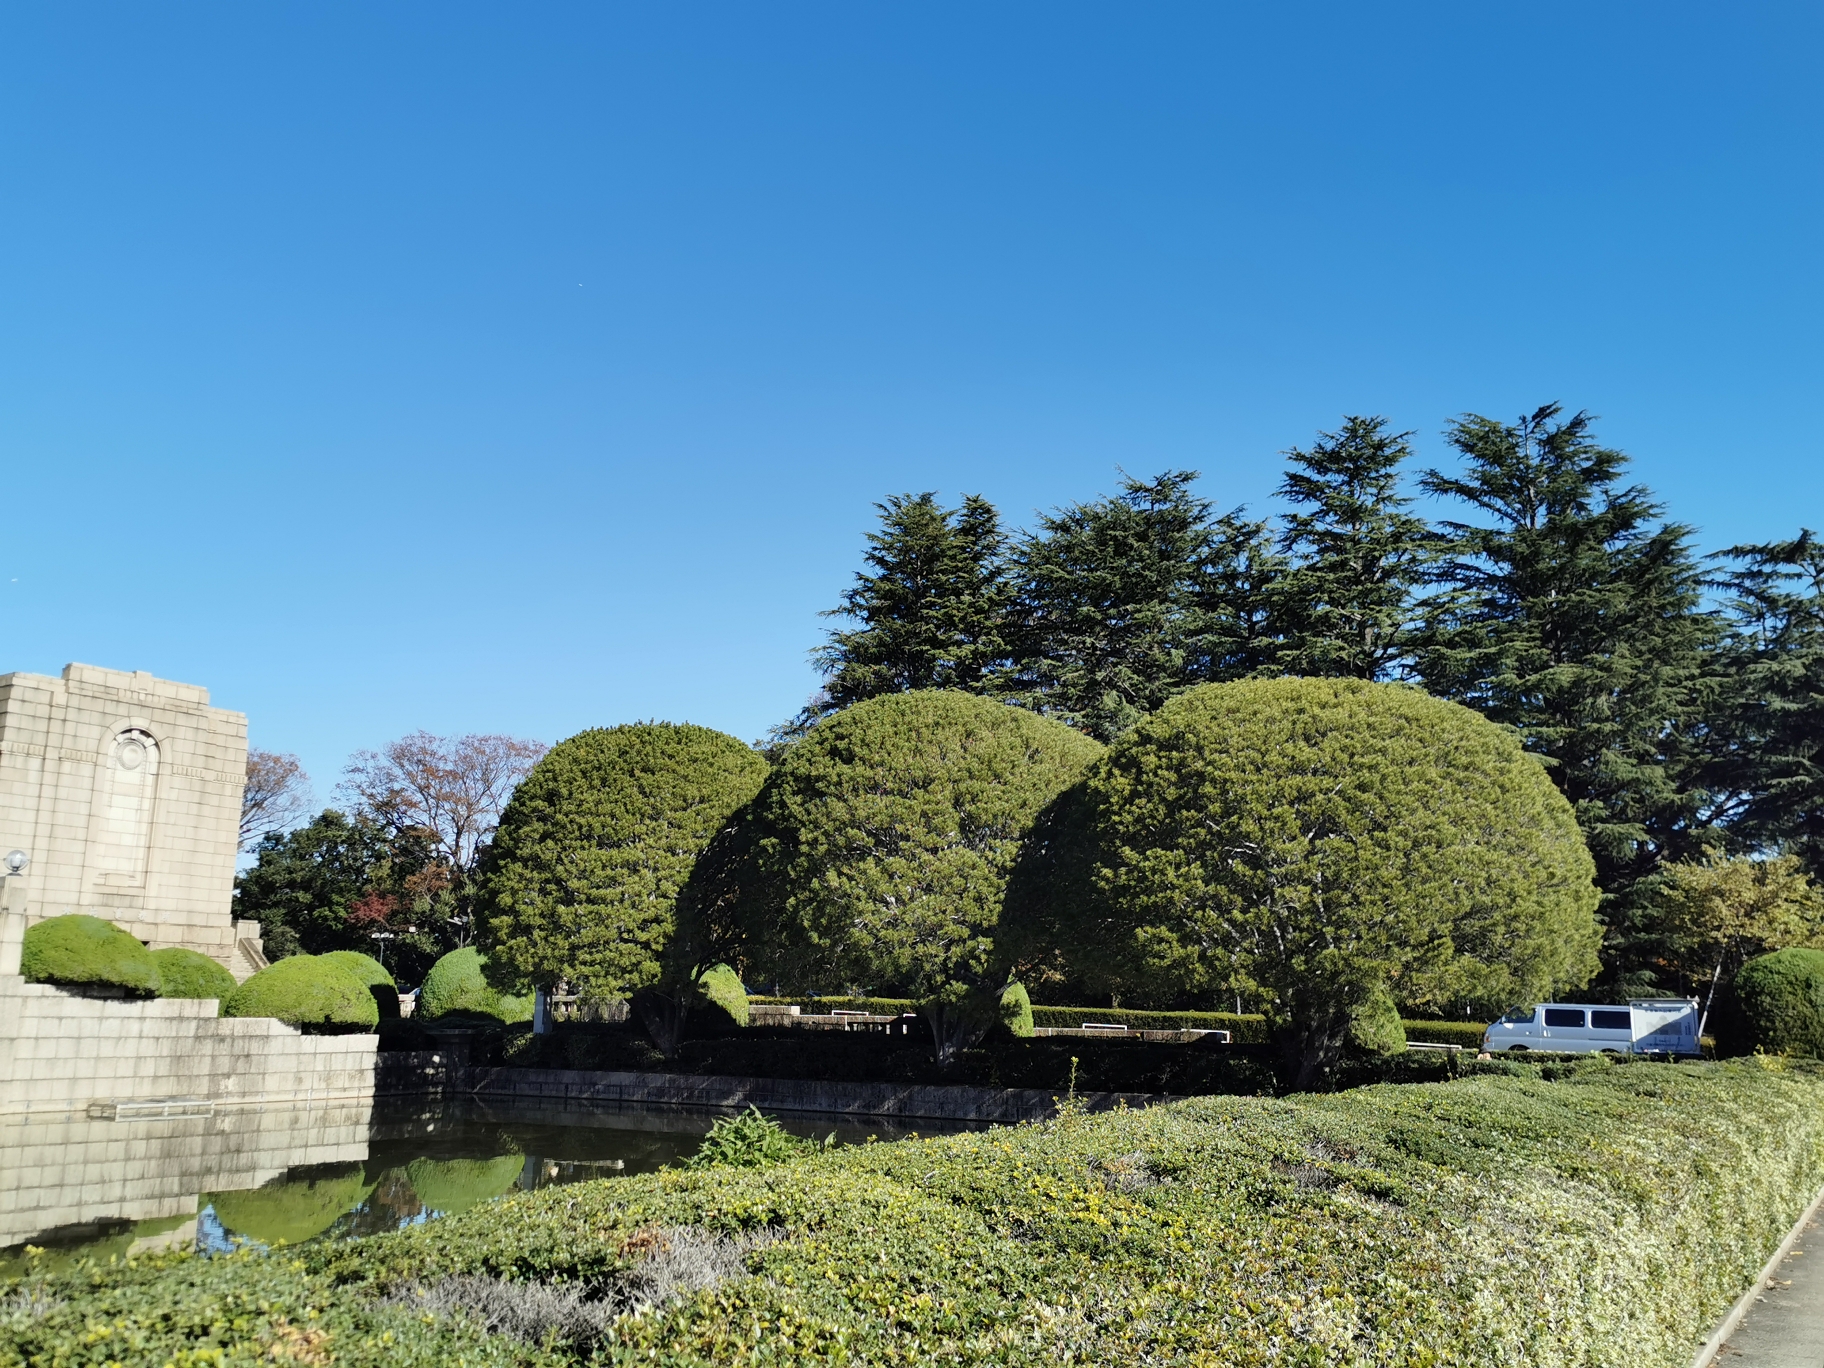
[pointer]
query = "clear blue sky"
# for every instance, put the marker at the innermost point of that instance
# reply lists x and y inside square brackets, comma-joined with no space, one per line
[529,367]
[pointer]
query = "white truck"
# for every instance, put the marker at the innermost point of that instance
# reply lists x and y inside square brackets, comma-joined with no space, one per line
[1646,1026]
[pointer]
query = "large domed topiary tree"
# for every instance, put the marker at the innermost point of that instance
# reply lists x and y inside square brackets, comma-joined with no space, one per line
[592,851]
[84,951]
[1309,843]
[1775,1005]
[884,842]
[458,986]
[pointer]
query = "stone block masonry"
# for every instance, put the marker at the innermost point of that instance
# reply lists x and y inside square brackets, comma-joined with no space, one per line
[125,791]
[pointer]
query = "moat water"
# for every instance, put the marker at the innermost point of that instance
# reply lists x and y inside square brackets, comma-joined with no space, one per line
[216,1183]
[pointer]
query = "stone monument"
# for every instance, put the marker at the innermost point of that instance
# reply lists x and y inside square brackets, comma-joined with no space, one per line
[124,791]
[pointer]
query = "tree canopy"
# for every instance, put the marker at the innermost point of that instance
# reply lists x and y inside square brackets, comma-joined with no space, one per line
[1307,842]
[884,842]
[583,877]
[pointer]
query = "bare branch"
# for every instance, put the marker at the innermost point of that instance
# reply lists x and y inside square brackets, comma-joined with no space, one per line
[277,795]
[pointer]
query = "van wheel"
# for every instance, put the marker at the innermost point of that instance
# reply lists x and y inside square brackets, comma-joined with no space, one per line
[1518,1049]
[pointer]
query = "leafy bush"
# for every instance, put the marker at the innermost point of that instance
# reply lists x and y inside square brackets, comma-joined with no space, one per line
[306,992]
[1016,1010]
[82,950]
[364,967]
[293,1208]
[452,1185]
[1307,841]
[721,988]
[1375,1027]
[1467,1223]
[1776,1004]
[457,986]
[886,838]
[188,974]
[585,871]
[748,1140]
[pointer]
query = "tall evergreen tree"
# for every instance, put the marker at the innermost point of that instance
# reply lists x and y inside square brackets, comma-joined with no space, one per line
[1237,589]
[932,605]
[1345,605]
[1770,732]
[1109,597]
[1572,615]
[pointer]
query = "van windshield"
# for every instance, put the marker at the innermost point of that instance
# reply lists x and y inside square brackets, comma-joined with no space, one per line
[1519,1015]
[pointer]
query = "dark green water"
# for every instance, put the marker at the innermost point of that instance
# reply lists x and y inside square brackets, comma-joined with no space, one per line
[419,1161]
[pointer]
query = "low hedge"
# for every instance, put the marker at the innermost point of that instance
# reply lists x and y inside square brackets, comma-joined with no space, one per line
[1610,1217]
[1468,1034]
[190,974]
[85,951]
[309,992]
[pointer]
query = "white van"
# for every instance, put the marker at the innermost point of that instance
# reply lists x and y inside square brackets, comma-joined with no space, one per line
[1665,1026]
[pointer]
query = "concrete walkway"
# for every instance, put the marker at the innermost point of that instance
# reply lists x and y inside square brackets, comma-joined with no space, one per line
[1784,1328]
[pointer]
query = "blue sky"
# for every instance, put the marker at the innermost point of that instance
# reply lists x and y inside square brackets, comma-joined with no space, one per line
[524,368]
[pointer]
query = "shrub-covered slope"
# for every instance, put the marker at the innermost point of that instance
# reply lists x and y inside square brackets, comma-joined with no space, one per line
[1607,1217]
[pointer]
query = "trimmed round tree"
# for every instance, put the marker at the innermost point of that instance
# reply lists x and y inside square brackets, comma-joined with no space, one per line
[595,846]
[1309,842]
[190,974]
[306,992]
[458,986]
[1775,1005]
[86,951]
[885,840]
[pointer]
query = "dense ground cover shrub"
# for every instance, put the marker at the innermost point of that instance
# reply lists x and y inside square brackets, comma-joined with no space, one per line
[456,987]
[1775,1004]
[306,991]
[87,951]
[190,974]
[1501,1221]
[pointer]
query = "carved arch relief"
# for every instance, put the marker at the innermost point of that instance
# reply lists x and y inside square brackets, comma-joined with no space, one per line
[127,787]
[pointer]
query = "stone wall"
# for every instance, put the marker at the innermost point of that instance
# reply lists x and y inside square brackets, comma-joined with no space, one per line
[63,1053]
[125,792]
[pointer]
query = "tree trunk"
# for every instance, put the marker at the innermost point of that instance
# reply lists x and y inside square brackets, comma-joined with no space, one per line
[664,1014]
[957,1025]
[1309,1049]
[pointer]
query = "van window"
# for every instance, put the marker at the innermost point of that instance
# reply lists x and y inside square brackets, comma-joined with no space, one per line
[1519,1016]
[1611,1021]
[1564,1016]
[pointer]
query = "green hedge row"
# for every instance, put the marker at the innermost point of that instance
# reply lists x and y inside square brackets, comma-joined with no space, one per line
[1243,1028]
[1608,1217]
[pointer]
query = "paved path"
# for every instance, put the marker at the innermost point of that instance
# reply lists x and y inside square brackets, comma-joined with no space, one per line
[1785,1326]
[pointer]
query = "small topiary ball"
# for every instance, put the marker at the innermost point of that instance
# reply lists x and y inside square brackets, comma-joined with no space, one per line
[1776,1005]
[457,985]
[1016,1010]
[188,974]
[77,949]
[305,992]
[1375,1027]
[722,988]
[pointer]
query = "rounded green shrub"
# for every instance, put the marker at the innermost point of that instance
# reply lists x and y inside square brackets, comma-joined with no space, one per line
[722,988]
[1304,842]
[593,850]
[364,967]
[1375,1027]
[1775,1005]
[189,974]
[81,950]
[306,991]
[453,1185]
[456,985]
[1016,1010]
[294,1208]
